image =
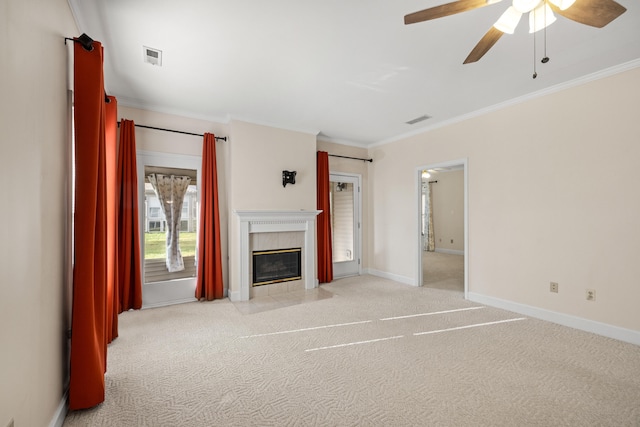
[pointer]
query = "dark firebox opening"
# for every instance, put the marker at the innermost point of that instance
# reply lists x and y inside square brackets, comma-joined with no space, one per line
[274,266]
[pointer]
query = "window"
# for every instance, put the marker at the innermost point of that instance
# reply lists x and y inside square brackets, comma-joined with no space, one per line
[165,243]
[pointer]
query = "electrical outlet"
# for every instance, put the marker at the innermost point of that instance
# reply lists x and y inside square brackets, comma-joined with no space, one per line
[591,295]
[553,287]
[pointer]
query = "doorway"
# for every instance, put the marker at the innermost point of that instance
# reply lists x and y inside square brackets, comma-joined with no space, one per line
[443,226]
[345,205]
[168,201]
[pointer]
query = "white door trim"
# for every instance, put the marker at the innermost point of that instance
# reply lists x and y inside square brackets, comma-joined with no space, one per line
[176,291]
[418,201]
[358,199]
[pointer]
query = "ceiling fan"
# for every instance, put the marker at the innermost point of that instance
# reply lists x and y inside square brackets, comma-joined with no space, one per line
[596,13]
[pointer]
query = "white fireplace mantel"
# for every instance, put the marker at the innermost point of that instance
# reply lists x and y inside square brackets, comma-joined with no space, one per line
[256,221]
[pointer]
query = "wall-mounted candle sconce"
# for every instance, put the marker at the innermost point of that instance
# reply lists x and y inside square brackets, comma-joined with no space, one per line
[288,177]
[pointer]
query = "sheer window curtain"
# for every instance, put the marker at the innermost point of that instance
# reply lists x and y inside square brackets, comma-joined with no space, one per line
[429,242]
[170,190]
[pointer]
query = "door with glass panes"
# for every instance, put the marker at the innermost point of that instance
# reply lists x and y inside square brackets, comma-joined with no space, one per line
[345,201]
[168,211]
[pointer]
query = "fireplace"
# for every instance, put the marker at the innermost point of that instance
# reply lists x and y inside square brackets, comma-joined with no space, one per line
[276,266]
[292,229]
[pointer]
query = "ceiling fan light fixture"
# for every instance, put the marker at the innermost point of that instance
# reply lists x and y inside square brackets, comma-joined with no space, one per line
[524,6]
[540,18]
[509,20]
[562,4]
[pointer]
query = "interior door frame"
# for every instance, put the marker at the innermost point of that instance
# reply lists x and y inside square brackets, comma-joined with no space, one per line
[358,215]
[418,198]
[172,291]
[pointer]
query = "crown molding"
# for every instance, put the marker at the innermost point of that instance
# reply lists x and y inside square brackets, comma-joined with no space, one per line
[314,132]
[607,72]
[325,138]
[133,103]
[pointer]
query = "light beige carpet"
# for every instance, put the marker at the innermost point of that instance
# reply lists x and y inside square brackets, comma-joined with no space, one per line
[443,271]
[346,359]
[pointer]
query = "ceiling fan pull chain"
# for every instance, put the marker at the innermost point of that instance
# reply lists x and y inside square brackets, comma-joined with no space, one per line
[545,59]
[535,73]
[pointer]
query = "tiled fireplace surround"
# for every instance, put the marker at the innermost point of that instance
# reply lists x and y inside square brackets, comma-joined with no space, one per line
[266,230]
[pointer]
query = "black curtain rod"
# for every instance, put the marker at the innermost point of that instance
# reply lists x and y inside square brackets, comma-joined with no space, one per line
[224,138]
[353,158]
[433,182]
[84,40]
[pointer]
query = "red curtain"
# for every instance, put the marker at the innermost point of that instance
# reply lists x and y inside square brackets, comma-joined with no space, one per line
[209,277]
[111,126]
[129,268]
[91,228]
[325,253]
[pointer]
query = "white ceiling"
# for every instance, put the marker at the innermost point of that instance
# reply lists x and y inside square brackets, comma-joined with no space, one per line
[349,70]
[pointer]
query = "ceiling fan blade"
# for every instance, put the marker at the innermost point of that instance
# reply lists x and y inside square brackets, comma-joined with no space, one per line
[483,46]
[596,13]
[443,10]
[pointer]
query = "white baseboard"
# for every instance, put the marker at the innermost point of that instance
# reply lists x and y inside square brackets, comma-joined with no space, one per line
[610,331]
[234,296]
[395,277]
[449,251]
[61,412]
[335,277]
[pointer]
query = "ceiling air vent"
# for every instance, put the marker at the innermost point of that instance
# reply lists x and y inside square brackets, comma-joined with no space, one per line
[152,56]
[418,120]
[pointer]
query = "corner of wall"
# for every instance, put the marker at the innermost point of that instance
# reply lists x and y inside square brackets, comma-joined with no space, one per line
[61,411]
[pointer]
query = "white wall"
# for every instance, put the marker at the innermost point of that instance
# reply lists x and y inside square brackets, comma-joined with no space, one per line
[34,169]
[553,196]
[448,210]
[169,142]
[258,155]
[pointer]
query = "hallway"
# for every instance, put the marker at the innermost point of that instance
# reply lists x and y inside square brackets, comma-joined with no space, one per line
[443,271]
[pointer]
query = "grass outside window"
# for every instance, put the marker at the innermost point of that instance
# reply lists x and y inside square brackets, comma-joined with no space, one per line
[155,244]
